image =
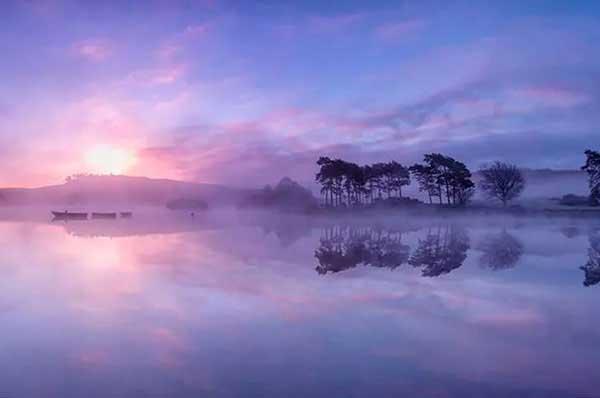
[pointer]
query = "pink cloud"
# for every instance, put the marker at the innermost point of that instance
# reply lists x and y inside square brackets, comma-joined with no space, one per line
[158,75]
[168,50]
[94,50]
[195,31]
[553,97]
[399,30]
[335,23]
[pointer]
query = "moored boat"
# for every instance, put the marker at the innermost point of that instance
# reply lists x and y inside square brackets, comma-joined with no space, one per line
[104,215]
[66,215]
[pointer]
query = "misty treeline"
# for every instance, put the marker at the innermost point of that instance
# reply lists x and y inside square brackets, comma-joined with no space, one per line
[445,180]
[346,183]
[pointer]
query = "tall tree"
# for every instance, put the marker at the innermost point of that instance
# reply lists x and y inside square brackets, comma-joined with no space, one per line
[502,181]
[325,178]
[398,176]
[444,177]
[426,179]
[592,166]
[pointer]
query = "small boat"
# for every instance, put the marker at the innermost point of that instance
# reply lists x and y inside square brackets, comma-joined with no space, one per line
[105,216]
[126,214]
[65,215]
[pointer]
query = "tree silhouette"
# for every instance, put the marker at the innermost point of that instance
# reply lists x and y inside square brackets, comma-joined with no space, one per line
[441,251]
[502,181]
[500,251]
[592,267]
[445,178]
[425,177]
[592,167]
[348,184]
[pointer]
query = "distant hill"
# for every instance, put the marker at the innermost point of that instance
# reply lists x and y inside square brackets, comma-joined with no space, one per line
[287,194]
[540,183]
[547,183]
[94,190]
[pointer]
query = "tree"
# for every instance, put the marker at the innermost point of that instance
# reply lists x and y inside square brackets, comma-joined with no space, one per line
[397,176]
[502,181]
[325,178]
[592,167]
[426,180]
[444,177]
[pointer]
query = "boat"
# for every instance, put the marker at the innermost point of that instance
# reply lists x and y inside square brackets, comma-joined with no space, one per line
[66,215]
[126,214]
[106,216]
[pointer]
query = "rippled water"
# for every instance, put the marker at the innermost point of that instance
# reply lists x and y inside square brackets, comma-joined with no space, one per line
[290,307]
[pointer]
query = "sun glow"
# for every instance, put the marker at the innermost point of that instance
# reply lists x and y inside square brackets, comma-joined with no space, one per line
[104,159]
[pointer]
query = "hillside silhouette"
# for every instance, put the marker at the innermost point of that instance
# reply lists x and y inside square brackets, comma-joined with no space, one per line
[85,190]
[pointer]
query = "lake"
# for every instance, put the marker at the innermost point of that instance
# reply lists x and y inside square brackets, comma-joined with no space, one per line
[273,306]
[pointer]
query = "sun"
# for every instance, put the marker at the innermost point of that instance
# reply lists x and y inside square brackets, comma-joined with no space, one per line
[105,159]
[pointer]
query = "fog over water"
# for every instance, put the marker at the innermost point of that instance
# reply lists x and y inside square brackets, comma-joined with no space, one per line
[236,303]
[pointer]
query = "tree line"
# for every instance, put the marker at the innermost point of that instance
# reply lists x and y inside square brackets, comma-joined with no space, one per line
[445,180]
[348,184]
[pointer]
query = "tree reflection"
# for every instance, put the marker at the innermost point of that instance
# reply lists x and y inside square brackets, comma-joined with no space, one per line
[342,248]
[592,267]
[500,251]
[442,251]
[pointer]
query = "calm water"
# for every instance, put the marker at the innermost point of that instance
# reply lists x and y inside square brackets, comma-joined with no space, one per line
[292,308]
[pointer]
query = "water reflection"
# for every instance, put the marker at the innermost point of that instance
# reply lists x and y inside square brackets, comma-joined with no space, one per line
[443,250]
[235,308]
[500,251]
[342,248]
[592,267]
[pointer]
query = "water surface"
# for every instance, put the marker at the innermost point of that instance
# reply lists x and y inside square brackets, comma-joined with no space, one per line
[290,307]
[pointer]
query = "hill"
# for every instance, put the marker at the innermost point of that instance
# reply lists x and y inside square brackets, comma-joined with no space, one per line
[97,190]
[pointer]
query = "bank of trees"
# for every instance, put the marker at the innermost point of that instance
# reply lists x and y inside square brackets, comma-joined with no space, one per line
[443,179]
[348,184]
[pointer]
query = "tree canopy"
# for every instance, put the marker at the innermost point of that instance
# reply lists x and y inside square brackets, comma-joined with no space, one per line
[502,181]
[348,184]
[444,178]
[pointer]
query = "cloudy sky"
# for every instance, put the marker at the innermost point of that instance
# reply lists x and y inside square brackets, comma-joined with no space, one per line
[245,92]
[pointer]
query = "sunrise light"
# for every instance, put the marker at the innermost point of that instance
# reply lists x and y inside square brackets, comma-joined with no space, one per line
[106,159]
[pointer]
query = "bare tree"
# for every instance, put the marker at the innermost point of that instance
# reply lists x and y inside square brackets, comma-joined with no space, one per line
[502,181]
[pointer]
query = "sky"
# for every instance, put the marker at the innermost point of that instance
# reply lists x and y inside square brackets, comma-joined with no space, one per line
[244,93]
